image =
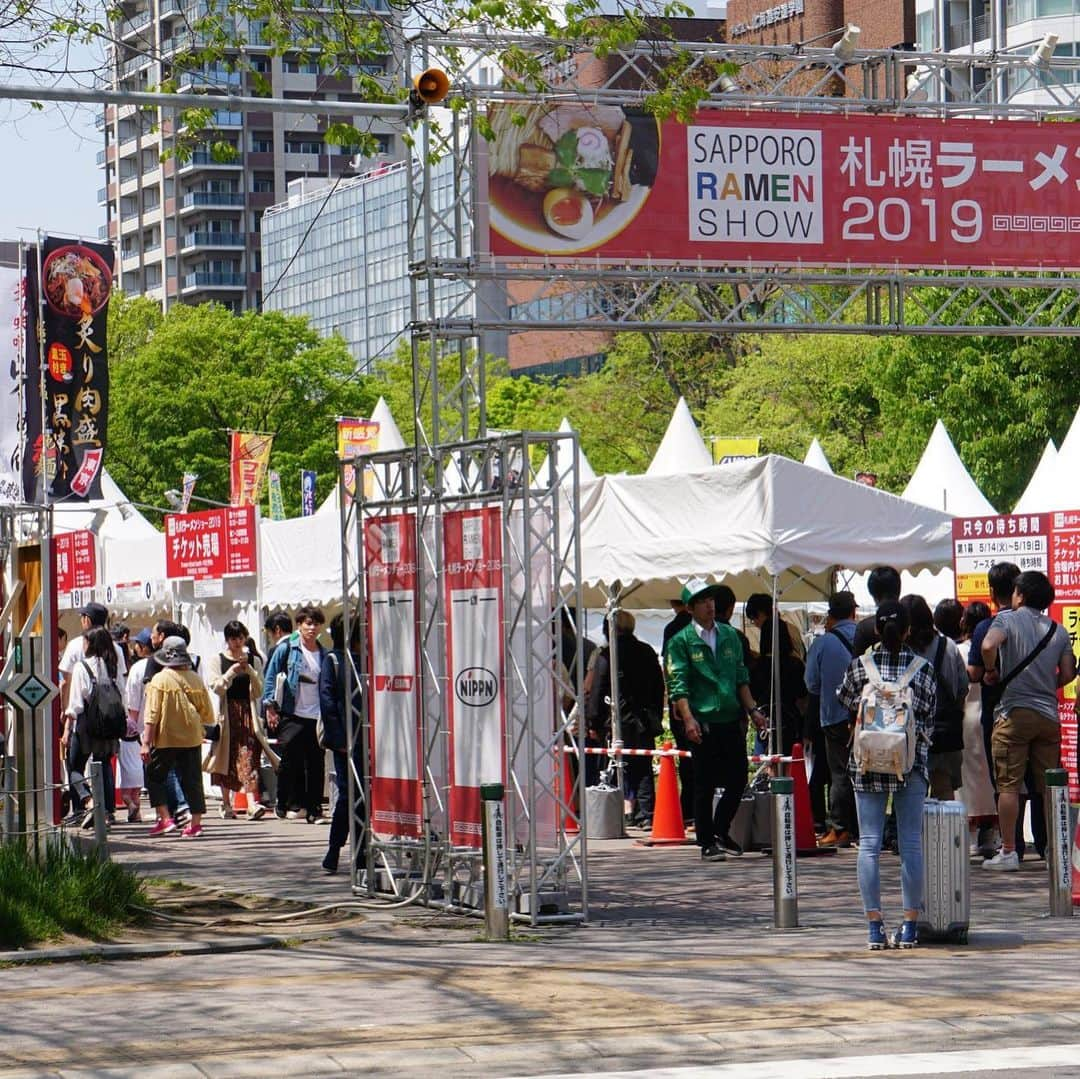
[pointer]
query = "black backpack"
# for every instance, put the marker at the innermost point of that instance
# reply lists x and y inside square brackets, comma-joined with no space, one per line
[104,713]
[949,717]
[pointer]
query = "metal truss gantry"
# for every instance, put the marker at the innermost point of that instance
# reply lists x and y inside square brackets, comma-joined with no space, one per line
[540,582]
[450,243]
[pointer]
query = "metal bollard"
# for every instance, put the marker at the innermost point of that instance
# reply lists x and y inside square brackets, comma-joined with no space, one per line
[496,891]
[785,877]
[97,791]
[8,795]
[1058,843]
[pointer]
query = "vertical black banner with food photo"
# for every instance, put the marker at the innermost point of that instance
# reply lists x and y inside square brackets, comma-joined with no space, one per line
[67,357]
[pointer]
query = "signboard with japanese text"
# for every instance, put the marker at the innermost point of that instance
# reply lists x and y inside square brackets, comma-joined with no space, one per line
[607,182]
[211,543]
[394,697]
[69,307]
[725,450]
[12,421]
[979,542]
[75,560]
[1049,543]
[356,437]
[472,579]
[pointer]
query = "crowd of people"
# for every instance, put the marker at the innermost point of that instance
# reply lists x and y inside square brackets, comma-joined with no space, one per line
[261,728]
[980,683]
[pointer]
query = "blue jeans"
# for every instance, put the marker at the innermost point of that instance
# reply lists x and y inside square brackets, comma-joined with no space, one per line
[908,803]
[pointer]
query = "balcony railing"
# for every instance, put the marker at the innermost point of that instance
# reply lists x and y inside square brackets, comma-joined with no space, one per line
[213,198]
[958,35]
[214,239]
[136,22]
[982,25]
[215,280]
[129,67]
[205,157]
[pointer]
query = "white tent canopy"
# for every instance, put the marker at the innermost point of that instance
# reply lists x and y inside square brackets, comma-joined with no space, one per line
[1042,489]
[682,449]
[815,458]
[643,536]
[941,481]
[120,520]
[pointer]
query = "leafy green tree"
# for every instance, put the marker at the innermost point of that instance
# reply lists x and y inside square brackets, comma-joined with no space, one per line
[790,389]
[179,382]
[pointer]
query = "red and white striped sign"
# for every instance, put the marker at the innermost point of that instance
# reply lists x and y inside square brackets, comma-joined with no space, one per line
[475,702]
[394,702]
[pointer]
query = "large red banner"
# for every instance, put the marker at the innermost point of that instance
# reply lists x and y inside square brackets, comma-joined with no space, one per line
[75,560]
[734,188]
[472,578]
[394,699]
[1050,543]
[210,544]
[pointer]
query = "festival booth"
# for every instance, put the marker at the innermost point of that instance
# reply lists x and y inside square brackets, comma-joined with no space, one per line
[764,523]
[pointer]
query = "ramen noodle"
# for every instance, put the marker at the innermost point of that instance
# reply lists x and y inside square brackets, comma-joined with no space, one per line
[76,286]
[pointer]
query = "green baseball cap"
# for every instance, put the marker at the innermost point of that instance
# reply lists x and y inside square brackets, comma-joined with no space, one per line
[696,588]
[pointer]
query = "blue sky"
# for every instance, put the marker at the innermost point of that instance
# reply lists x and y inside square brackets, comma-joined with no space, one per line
[51,180]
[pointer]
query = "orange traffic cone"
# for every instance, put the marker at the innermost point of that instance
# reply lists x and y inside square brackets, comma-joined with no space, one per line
[805,840]
[667,822]
[1076,867]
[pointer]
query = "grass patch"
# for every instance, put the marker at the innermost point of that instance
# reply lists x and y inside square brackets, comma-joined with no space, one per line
[71,893]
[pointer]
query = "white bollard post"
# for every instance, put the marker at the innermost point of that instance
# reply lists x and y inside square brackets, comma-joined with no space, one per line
[1058,843]
[785,875]
[496,890]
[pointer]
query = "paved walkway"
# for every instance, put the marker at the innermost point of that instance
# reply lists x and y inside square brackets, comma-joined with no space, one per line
[679,965]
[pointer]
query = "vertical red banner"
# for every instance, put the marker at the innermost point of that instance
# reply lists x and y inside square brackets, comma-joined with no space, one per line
[394,701]
[1065,577]
[475,702]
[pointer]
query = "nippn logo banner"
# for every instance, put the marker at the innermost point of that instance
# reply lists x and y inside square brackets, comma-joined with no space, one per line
[769,188]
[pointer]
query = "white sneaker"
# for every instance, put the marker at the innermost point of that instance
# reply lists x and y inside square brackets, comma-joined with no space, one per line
[1004,862]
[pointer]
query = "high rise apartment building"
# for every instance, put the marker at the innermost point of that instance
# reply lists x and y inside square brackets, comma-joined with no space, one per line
[188,231]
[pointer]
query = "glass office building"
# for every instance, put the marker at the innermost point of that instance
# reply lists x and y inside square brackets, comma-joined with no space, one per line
[350,275]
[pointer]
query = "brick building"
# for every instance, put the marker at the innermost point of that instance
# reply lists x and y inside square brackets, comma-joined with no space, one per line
[884,23]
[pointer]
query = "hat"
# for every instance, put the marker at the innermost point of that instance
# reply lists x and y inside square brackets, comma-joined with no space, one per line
[696,588]
[143,637]
[173,653]
[98,613]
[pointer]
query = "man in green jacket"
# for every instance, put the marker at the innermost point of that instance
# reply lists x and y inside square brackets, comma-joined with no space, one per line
[709,686]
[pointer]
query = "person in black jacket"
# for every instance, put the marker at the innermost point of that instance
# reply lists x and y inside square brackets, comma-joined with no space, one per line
[332,710]
[641,702]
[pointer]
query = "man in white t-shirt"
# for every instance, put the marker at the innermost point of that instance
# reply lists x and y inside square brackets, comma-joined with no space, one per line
[292,711]
[92,616]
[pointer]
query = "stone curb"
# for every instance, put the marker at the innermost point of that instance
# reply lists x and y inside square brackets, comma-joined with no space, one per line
[153,950]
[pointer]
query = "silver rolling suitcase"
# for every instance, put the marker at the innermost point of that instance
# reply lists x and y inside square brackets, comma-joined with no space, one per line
[946,873]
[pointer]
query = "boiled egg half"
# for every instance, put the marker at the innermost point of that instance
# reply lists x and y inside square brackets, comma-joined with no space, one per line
[568,213]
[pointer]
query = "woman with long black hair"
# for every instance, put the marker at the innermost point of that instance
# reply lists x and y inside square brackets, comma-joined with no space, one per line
[891,661]
[98,663]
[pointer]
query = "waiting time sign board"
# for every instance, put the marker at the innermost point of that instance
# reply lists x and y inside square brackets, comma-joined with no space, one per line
[1050,543]
[730,188]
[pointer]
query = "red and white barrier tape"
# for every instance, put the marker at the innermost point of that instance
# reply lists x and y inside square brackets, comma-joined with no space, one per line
[622,751]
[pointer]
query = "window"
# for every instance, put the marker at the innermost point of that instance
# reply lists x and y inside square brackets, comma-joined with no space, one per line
[262,144]
[303,146]
[262,184]
[924,31]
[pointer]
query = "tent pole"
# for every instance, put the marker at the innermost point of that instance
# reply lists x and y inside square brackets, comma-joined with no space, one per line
[774,671]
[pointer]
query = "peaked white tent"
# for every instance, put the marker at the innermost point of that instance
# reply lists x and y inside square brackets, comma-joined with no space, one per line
[1058,489]
[1042,489]
[682,449]
[118,519]
[815,458]
[585,470]
[643,536]
[941,481]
